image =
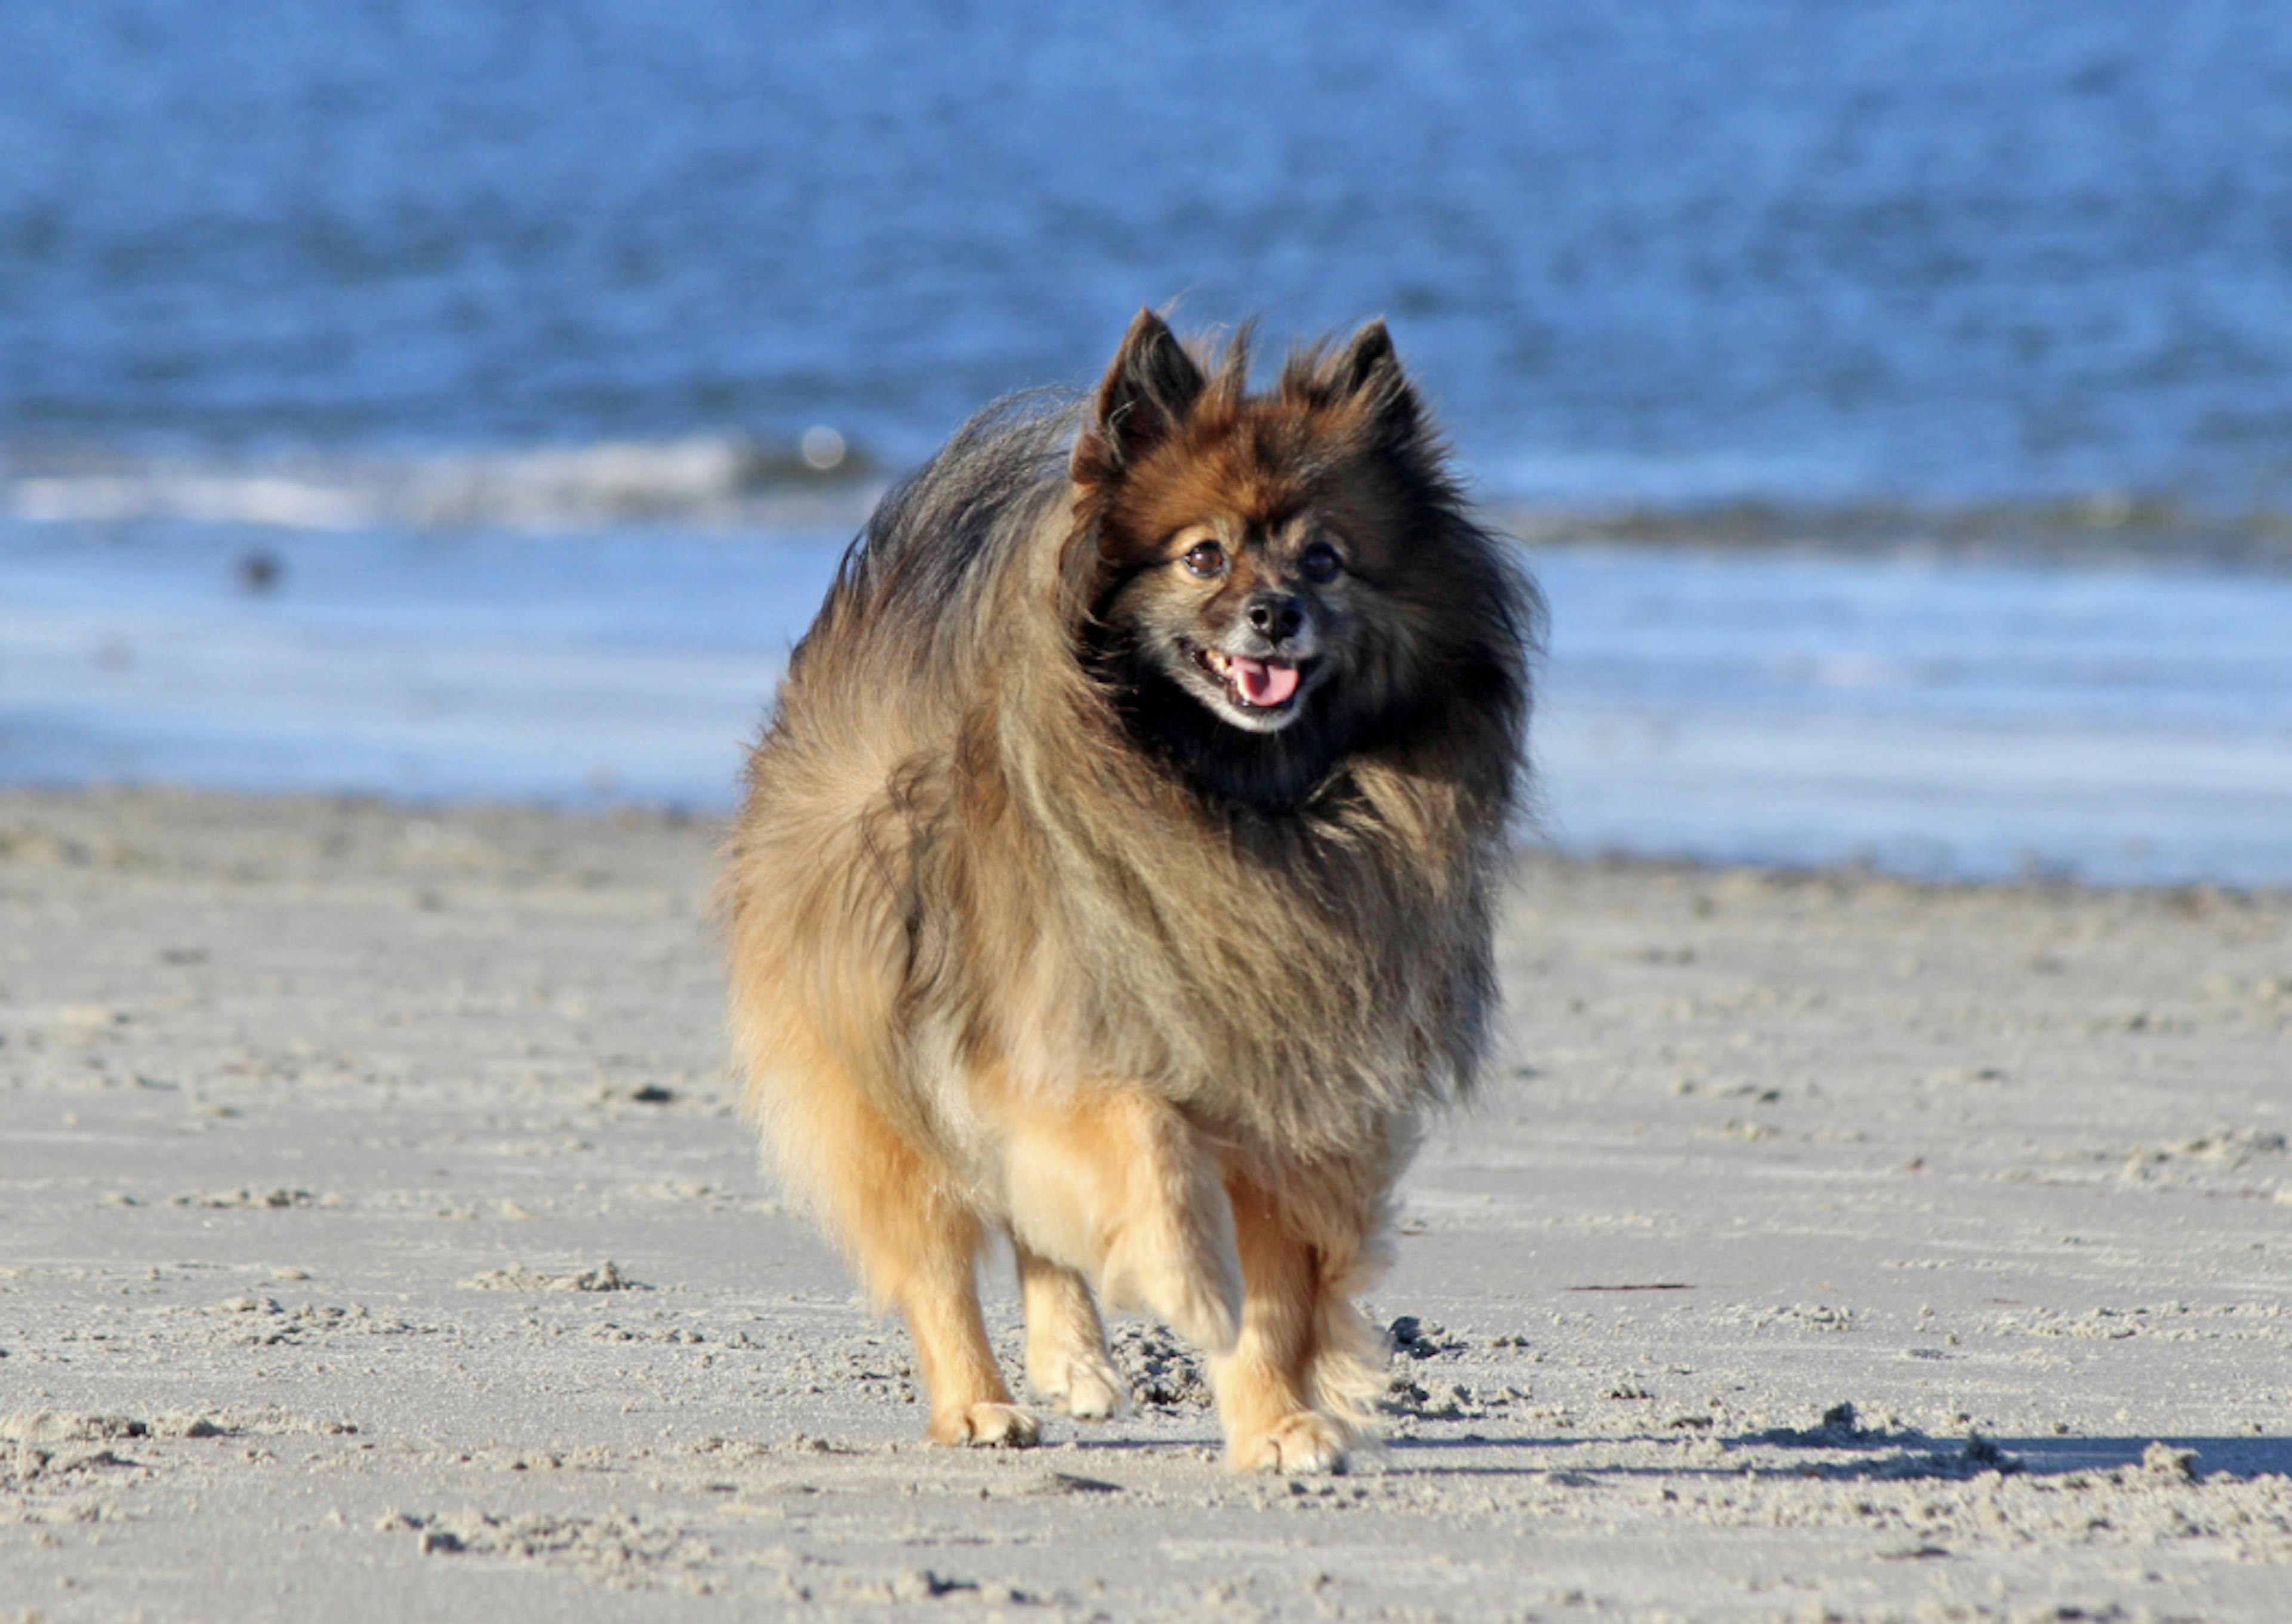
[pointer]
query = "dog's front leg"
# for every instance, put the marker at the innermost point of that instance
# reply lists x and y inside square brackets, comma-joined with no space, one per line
[914,1240]
[1118,1184]
[1263,1385]
[939,1299]
[1298,1386]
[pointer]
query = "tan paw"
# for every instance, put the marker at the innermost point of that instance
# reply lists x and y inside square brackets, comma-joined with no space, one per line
[1298,1442]
[1086,1384]
[1005,1425]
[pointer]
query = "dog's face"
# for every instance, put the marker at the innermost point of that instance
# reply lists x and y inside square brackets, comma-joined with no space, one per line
[1247,616]
[1270,572]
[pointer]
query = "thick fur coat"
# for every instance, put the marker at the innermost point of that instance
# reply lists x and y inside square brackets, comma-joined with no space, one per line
[1117,872]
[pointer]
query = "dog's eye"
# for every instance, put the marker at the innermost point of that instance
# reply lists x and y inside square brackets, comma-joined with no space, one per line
[1205,558]
[1319,563]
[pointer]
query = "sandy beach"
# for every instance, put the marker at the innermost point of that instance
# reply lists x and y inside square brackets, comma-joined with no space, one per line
[377,1239]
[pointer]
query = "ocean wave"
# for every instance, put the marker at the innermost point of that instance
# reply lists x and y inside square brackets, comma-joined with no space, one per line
[822,480]
[2092,525]
[706,481]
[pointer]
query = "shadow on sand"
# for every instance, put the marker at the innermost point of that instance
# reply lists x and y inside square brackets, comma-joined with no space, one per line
[1842,1450]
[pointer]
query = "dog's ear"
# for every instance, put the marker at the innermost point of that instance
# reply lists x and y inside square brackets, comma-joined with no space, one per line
[1366,353]
[1146,395]
[1366,373]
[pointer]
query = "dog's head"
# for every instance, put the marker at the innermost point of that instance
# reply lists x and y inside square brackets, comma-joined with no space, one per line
[1274,578]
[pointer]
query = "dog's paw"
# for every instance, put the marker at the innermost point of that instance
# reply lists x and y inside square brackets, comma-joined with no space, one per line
[1096,1390]
[1299,1443]
[987,1425]
[1085,1384]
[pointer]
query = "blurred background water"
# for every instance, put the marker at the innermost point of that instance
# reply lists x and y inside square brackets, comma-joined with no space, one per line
[449,399]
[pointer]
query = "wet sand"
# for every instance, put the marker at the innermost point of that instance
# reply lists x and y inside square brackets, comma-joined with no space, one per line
[377,1240]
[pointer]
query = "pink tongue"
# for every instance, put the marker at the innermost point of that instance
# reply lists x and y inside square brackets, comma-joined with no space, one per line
[1265,682]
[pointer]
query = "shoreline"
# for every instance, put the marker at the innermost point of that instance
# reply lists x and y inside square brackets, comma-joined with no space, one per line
[1531,851]
[1942,719]
[1821,1239]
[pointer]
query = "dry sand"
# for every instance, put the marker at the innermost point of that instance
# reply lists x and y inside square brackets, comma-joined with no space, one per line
[377,1240]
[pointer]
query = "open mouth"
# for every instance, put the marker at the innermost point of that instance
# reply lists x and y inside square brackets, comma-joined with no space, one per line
[1252,685]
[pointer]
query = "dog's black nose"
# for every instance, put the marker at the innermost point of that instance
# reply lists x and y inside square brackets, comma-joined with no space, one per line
[1276,614]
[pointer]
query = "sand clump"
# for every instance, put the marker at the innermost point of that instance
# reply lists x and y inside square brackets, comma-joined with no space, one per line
[605,1276]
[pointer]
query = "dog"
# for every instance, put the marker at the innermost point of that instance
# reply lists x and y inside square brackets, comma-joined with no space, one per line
[1117,872]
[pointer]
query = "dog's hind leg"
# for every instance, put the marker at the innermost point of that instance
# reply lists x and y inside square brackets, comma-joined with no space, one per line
[1066,1345]
[917,1245]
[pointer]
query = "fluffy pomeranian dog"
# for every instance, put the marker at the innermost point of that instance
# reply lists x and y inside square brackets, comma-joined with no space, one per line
[1117,874]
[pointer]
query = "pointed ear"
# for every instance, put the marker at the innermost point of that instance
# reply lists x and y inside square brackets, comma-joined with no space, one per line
[1367,371]
[1367,351]
[1144,397]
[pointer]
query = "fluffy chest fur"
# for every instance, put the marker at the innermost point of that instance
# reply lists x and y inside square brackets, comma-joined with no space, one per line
[1293,979]
[1168,745]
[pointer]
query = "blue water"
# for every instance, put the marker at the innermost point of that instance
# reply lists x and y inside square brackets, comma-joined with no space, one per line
[551,353]
[1928,250]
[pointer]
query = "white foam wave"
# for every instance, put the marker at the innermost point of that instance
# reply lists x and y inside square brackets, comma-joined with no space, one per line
[714,479]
